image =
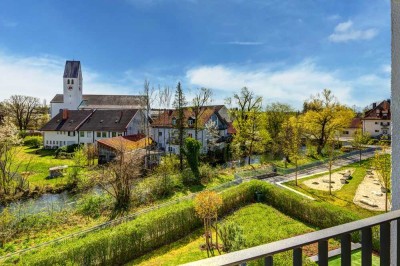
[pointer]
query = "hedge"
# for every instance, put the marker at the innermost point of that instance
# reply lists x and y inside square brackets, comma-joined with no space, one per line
[125,242]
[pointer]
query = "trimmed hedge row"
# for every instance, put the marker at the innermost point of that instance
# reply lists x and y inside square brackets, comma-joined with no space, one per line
[125,242]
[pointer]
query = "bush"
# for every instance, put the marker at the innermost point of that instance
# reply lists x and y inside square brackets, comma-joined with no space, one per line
[373,142]
[188,177]
[207,173]
[64,150]
[232,236]
[33,141]
[93,205]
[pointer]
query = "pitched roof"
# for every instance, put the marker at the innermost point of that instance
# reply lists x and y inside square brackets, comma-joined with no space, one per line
[71,69]
[379,112]
[165,119]
[108,120]
[107,101]
[356,122]
[127,143]
[72,123]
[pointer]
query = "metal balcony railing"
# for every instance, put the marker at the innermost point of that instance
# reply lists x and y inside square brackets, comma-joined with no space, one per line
[267,251]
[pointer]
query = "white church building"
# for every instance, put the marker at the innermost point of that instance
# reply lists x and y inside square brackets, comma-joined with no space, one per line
[78,118]
[74,99]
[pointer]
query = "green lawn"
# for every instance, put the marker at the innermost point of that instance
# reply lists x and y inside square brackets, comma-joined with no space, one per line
[344,196]
[260,223]
[355,259]
[37,162]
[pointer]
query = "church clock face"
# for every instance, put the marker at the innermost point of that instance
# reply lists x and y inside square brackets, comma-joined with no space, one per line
[70,88]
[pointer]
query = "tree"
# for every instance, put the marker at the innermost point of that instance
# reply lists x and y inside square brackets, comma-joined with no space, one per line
[247,117]
[323,117]
[164,100]
[119,177]
[201,99]
[192,152]
[276,115]
[147,103]
[179,104]
[383,169]
[10,180]
[80,160]
[291,135]
[206,205]
[332,156]
[21,109]
[360,139]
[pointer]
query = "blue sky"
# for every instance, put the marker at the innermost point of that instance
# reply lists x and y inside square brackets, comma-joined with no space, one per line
[283,50]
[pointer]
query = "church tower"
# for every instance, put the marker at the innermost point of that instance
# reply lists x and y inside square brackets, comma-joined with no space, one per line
[72,85]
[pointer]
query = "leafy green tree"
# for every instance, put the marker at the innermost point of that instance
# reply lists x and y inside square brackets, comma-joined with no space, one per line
[179,104]
[276,115]
[360,139]
[192,152]
[250,136]
[323,117]
[383,168]
[292,135]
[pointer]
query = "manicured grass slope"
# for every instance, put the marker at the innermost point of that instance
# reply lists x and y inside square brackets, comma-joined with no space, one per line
[260,223]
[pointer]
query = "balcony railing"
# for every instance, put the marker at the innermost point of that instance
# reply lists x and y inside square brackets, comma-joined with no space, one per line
[267,251]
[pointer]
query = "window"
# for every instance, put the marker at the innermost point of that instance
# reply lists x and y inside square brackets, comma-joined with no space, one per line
[68,81]
[72,81]
[114,134]
[190,122]
[104,134]
[82,134]
[89,134]
[377,130]
[98,134]
[160,134]
[345,132]
[376,123]
[47,142]
[384,131]
[119,134]
[174,121]
[190,135]
[170,149]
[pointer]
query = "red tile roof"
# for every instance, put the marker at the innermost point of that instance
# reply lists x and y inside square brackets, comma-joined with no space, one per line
[379,111]
[126,143]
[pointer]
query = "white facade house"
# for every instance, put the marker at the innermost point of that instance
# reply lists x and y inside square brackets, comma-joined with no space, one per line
[87,127]
[377,121]
[164,132]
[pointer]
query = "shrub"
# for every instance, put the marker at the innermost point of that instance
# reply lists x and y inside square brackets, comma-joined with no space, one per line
[232,236]
[93,205]
[33,141]
[187,177]
[67,149]
[192,153]
[207,173]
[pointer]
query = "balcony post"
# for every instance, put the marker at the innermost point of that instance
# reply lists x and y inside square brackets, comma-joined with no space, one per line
[395,119]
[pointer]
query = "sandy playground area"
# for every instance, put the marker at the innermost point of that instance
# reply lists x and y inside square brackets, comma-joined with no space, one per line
[369,194]
[322,182]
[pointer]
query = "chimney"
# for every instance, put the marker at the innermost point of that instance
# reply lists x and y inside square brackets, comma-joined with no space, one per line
[65,114]
[373,105]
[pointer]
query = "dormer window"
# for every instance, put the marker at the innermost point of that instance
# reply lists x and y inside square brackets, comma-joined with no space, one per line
[190,122]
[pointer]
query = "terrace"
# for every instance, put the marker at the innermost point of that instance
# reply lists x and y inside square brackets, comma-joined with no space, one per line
[389,232]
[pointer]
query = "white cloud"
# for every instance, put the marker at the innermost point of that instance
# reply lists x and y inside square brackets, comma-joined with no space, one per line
[345,32]
[291,85]
[42,77]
